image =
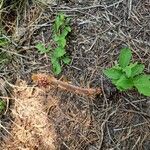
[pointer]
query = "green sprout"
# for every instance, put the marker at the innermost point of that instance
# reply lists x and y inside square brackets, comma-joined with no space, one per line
[127,75]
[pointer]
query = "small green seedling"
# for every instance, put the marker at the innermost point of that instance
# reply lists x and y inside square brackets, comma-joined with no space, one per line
[2,105]
[42,49]
[59,55]
[127,75]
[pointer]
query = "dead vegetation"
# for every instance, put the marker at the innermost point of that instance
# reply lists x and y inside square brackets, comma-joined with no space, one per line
[31,128]
[111,121]
[44,80]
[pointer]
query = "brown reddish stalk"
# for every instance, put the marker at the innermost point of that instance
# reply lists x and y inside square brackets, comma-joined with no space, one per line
[45,80]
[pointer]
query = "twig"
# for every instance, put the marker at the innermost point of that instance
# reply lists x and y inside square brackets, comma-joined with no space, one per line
[45,80]
[130,7]
[93,6]
[14,53]
[137,141]
[136,125]
[103,127]
[1,126]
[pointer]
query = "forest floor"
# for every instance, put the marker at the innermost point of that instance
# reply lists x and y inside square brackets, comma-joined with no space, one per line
[100,28]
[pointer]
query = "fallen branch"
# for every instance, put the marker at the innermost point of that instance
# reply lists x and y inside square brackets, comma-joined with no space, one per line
[44,80]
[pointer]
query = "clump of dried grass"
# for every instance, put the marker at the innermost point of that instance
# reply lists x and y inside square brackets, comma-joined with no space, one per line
[31,128]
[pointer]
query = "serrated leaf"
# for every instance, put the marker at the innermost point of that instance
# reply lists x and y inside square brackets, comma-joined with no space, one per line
[59,21]
[56,38]
[133,69]
[65,31]
[142,83]
[41,48]
[124,83]
[133,64]
[61,42]
[56,66]
[117,67]
[125,57]
[112,73]
[66,60]
[137,69]
[59,52]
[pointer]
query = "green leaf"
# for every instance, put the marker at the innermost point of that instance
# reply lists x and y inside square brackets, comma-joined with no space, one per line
[133,69]
[124,83]
[59,21]
[2,105]
[142,83]
[68,29]
[62,16]
[127,70]
[113,73]
[61,30]
[125,57]
[64,33]
[61,42]
[114,81]
[41,48]
[59,52]
[137,69]
[66,60]
[56,66]
[56,38]
[3,41]
[117,67]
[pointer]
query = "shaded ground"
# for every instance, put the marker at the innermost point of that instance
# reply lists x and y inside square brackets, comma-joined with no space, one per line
[99,30]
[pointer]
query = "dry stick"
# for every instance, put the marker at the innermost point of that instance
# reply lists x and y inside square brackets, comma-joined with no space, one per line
[44,80]
[75,89]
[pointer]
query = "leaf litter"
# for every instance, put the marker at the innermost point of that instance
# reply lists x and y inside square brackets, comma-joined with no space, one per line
[99,30]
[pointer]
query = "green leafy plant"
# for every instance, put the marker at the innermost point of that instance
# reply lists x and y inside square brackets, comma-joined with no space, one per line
[61,29]
[59,55]
[127,75]
[42,49]
[2,105]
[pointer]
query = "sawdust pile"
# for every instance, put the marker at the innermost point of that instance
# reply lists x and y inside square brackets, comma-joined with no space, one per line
[31,128]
